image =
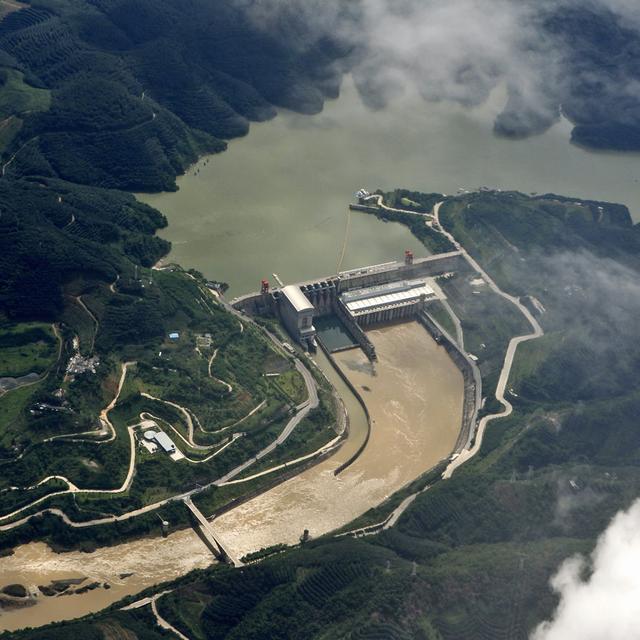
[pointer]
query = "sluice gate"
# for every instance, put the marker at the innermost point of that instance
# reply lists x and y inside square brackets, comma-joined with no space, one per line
[358,298]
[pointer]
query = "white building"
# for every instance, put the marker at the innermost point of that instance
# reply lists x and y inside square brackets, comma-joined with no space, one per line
[297,315]
[161,439]
[387,302]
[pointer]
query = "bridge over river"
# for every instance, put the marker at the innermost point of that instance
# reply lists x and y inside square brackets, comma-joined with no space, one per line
[217,545]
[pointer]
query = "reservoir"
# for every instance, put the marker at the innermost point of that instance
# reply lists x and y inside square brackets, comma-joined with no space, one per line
[275,201]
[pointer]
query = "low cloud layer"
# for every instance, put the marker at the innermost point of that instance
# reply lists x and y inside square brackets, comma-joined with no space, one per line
[461,49]
[600,596]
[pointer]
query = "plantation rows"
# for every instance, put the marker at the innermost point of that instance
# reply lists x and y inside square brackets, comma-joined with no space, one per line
[204,72]
[381,631]
[235,598]
[39,256]
[42,45]
[22,19]
[325,582]
[431,512]
[503,624]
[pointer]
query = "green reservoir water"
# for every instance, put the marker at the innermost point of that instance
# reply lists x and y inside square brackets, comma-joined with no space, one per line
[275,202]
[333,334]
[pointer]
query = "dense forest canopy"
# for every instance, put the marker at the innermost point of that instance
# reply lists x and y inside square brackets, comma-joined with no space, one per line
[138,88]
[123,95]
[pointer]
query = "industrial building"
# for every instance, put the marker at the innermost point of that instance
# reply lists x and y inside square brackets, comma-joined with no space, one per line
[387,302]
[297,314]
[351,301]
[161,439]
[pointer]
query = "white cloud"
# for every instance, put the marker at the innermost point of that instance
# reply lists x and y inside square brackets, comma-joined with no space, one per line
[453,50]
[600,597]
[627,9]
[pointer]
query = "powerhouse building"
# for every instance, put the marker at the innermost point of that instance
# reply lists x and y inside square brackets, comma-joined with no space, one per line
[387,302]
[297,315]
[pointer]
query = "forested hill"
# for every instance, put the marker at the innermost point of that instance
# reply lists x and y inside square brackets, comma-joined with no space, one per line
[99,95]
[51,231]
[138,88]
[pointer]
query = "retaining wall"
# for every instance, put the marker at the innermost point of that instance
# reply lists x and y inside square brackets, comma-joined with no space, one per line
[470,374]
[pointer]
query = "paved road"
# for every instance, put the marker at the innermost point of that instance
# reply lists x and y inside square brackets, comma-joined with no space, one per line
[162,623]
[95,320]
[39,379]
[399,510]
[301,412]
[537,332]
[184,412]
[218,448]
[226,384]
[380,202]
[152,601]
[104,417]
[213,537]
[289,463]
[467,454]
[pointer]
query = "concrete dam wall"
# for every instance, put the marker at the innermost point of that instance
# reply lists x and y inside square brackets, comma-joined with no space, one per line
[323,292]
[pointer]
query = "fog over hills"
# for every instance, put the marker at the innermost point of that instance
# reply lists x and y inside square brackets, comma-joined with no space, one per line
[578,56]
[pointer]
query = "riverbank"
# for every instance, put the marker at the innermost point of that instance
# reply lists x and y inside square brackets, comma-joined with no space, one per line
[414,397]
[314,498]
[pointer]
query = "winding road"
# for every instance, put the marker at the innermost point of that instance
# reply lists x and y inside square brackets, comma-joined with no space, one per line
[380,203]
[537,332]
[466,454]
[218,380]
[302,411]
[72,488]
[95,320]
[162,623]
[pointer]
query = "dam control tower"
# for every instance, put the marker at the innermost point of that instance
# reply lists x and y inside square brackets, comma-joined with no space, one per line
[297,315]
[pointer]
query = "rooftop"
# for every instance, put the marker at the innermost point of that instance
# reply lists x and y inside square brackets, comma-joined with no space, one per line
[297,299]
[394,293]
[165,441]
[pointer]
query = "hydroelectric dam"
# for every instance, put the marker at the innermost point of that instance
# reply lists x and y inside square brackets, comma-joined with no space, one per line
[336,311]
[355,299]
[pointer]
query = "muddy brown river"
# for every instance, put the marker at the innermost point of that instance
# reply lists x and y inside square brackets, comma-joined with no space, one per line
[414,395]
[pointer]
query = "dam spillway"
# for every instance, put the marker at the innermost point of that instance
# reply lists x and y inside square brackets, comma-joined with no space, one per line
[358,298]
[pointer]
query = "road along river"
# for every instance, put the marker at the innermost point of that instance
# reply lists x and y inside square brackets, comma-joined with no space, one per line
[414,395]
